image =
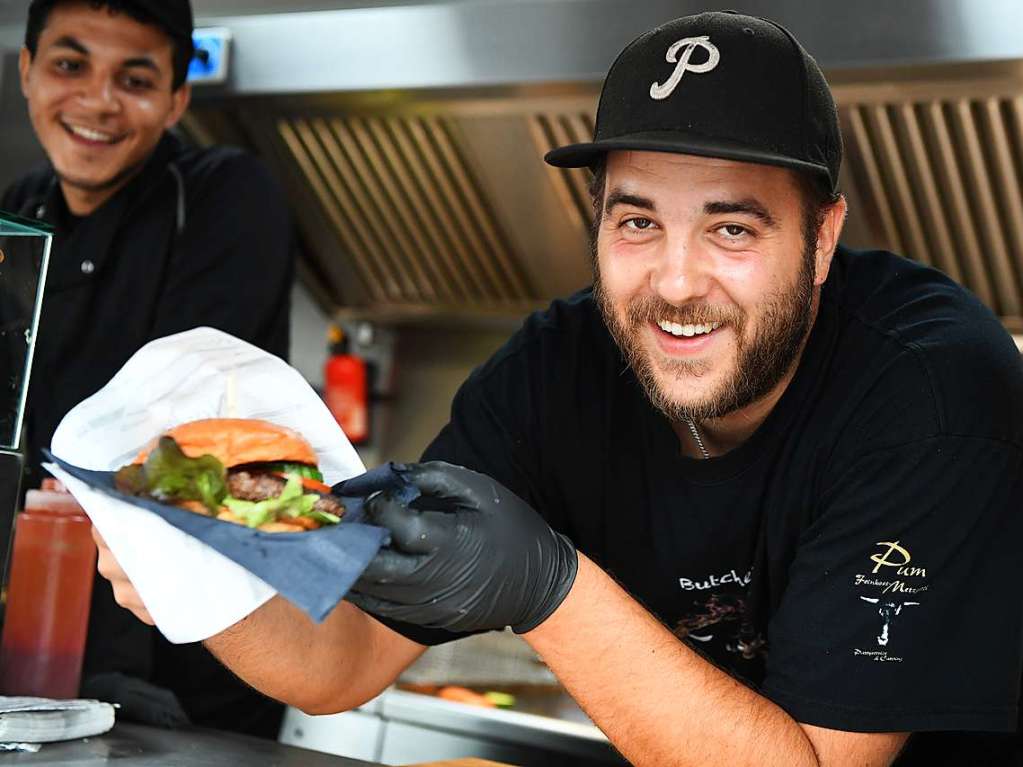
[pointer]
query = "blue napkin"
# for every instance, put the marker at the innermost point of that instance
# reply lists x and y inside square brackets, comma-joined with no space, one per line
[389,476]
[315,569]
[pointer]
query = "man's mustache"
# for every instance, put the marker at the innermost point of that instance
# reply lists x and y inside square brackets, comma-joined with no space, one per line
[653,309]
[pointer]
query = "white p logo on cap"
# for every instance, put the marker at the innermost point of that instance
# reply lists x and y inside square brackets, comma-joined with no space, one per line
[659,92]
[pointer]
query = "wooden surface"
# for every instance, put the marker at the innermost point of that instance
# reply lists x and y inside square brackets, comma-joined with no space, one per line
[463,763]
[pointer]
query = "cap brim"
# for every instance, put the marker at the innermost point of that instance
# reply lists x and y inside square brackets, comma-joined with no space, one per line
[585,155]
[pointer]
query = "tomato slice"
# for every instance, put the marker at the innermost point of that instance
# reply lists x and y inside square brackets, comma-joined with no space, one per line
[309,484]
[316,485]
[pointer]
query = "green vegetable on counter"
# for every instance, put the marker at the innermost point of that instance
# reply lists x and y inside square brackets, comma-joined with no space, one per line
[500,699]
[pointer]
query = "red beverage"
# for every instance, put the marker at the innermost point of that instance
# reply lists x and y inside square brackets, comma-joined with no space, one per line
[48,597]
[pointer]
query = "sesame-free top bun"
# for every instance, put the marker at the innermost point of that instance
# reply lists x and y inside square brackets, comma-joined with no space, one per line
[239,440]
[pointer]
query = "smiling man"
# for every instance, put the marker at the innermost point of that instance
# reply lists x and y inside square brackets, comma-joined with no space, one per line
[754,498]
[151,238]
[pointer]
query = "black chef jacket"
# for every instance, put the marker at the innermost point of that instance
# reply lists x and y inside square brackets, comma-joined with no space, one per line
[198,237]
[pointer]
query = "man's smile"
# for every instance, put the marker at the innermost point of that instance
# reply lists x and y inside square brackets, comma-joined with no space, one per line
[675,339]
[687,330]
[91,136]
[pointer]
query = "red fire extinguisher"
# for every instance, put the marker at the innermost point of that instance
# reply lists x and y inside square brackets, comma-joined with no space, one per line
[345,388]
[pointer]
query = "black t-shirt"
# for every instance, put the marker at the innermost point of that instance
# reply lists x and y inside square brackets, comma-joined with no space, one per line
[198,237]
[857,560]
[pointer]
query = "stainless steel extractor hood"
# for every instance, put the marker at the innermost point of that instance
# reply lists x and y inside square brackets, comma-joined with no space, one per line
[410,137]
[934,172]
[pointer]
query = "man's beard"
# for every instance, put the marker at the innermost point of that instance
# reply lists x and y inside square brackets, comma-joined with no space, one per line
[761,362]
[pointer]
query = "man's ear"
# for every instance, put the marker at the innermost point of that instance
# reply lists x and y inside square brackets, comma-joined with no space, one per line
[827,239]
[24,64]
[180,99]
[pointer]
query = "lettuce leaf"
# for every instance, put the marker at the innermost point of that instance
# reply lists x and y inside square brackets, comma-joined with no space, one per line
[292,502]
[169,475]
[324,517]
[296,469]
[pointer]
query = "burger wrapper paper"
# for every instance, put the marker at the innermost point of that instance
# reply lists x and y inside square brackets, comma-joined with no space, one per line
[198,575]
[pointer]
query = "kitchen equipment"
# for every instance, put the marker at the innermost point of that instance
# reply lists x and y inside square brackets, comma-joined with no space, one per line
[24,255]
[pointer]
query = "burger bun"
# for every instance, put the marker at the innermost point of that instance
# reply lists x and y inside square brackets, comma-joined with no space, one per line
[237,441]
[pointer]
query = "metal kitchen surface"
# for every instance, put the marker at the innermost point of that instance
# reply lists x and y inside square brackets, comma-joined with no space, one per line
[437,202]
[488,42]
[410,138]
[130,745]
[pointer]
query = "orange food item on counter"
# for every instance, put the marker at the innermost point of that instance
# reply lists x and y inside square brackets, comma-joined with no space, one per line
[465,695]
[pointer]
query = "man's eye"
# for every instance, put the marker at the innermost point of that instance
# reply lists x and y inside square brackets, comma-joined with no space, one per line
[638,224]
[67,65]
[733,231]
[137,83]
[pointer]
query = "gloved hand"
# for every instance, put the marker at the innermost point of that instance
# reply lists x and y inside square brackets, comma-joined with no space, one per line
[486,561]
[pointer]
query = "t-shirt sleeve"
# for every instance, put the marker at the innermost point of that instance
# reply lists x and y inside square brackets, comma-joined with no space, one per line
[902,611]
[487,432]
[233,266]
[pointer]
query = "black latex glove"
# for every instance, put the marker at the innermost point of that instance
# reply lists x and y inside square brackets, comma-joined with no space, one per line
[486,561]
[140,701]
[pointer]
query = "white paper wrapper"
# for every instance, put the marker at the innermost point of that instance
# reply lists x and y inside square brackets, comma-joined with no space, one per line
[192,591]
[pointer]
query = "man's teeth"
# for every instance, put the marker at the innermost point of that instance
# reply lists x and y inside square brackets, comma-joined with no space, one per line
[89,134]
[687,330]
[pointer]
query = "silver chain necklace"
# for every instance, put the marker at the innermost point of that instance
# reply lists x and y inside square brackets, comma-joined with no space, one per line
[696,436]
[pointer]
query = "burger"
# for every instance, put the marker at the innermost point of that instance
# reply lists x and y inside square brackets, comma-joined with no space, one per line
[241,470]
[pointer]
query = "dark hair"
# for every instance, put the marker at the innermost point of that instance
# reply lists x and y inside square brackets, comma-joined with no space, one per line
[817,198]
[181,55]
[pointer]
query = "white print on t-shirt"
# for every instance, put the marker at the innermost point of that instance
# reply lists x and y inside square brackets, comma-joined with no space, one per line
[881,656]
[888,611]
[882,594]
[714,581]
[896,586]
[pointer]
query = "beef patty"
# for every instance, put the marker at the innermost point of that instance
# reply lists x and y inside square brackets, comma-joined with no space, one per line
[259,486]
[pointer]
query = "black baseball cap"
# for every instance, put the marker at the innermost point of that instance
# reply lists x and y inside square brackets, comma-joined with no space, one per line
[717,84]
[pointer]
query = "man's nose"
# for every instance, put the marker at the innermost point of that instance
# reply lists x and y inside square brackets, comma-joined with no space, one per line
[98,93]
[683,273]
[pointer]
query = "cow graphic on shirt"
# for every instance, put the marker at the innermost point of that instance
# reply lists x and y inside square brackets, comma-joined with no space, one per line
[888,611]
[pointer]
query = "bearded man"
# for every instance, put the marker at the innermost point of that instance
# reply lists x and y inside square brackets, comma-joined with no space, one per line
[754,497]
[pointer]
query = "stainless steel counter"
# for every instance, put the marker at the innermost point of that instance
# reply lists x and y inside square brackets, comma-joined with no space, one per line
[546,729]
[129,745]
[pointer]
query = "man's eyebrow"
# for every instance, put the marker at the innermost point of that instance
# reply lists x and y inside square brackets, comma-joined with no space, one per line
[749,206]
[621,197]
[70,42]
[67,41]
[142,61]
